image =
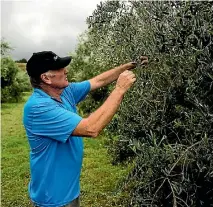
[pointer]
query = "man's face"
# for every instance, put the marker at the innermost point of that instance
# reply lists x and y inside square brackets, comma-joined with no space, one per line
[58,78]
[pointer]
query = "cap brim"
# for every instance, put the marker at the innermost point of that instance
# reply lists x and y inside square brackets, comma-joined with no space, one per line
[63,62]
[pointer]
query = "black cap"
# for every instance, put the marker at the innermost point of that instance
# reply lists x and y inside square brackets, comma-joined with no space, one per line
[41,62]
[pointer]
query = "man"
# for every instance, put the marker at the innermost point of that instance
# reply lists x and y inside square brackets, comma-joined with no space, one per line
[55,130]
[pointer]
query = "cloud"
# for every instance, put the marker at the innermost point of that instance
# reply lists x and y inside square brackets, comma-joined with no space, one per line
[36,25]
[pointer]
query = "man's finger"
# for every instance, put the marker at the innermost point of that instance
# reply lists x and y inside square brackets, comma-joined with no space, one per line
[144,62]
[144,58]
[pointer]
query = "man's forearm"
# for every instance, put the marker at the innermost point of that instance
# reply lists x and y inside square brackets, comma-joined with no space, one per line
[109,76]
[94,123]
[104,114]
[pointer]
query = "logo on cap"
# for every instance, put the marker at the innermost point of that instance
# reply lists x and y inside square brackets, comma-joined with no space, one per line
[55,57]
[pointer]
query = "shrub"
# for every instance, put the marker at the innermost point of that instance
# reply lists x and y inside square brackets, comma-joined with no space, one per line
[24,81]
[13,80]
[11,88]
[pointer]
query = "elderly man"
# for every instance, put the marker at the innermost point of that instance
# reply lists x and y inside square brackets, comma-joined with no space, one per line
[55,130]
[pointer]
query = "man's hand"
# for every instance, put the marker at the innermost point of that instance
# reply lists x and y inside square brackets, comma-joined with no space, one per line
[125,81]
[143,61]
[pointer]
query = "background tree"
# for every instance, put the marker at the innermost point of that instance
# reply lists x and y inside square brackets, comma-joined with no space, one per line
[23,60]
[13,81]
[5,47]
[84,66]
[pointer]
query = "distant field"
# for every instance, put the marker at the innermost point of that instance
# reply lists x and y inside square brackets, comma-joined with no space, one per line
[22,66]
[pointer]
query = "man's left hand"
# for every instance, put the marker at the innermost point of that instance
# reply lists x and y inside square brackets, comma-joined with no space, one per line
[143,61]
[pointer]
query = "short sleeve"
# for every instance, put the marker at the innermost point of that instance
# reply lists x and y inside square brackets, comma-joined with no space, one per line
[80,90]
[54,122]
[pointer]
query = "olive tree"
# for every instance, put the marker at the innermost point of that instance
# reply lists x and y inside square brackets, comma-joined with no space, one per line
[164,125]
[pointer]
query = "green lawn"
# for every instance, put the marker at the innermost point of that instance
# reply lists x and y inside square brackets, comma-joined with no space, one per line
[98,180]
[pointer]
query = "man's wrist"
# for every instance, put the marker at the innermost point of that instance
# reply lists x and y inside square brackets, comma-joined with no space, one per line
[119,90]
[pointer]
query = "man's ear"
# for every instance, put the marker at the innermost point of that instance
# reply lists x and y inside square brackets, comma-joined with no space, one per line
[45,78]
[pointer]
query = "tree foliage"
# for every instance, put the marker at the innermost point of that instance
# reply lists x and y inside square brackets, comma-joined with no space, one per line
[164,125]
[5,48]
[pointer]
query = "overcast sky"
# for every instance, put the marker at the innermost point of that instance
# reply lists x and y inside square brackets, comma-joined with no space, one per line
[38,25]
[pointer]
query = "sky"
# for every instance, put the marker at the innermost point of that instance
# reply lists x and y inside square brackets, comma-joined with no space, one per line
[44,25]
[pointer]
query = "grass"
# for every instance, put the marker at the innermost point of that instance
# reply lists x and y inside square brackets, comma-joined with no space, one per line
[98,179]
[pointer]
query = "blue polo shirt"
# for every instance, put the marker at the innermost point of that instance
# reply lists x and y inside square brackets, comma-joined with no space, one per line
[55,155]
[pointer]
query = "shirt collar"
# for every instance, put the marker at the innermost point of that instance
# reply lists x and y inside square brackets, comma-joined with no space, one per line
[44,94]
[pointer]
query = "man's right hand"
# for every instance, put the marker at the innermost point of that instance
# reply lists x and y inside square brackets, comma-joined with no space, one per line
[125,81]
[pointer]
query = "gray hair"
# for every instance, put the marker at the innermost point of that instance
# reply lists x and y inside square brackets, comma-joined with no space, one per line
[36,81]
